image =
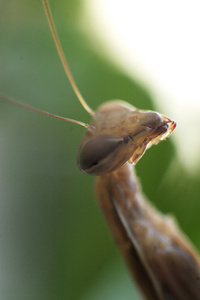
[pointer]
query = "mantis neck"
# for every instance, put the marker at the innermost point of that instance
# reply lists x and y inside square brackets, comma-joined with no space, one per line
[159,257]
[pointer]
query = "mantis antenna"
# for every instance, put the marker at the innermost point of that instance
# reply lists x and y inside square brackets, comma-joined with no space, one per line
[13,101]
[62,57]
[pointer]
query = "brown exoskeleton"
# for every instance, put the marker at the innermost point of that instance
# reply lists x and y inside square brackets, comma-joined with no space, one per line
[161,260]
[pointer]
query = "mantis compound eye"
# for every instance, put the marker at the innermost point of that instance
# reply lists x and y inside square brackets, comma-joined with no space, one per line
[98,152]
[151,119]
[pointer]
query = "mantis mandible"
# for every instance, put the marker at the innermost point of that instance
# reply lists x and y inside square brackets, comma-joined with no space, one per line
[120,133]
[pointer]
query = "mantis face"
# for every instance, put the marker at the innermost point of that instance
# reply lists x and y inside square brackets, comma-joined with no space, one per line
[119,133]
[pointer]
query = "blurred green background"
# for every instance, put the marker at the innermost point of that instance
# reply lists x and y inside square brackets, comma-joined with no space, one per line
[54,241]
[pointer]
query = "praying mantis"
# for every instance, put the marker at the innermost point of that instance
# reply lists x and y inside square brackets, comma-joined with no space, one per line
[81,165]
